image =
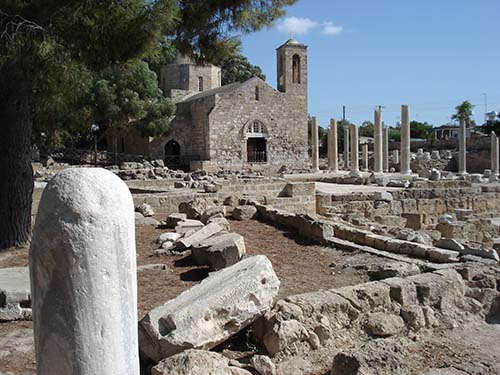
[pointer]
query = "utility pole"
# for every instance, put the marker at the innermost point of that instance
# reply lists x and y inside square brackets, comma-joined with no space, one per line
[343,113]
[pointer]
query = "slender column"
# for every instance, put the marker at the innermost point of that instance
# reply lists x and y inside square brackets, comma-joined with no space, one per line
[462,168]
[405,140]
[346,147]
[83,276]
[377,152]
[354,152]
[395,156]
[333,154]
[315,145]
[364,151]
[494,156]
[385,149]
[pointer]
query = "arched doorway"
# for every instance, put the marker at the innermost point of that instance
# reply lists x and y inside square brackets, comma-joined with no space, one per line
[172,152]
[256,137]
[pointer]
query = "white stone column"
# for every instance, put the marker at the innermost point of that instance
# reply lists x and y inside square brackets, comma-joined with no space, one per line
[333,153]
[405,140]
[378,140]
[354,152]
[347,157]
[315,145]
[385,149]
[494,156]
[462,152]
[395,156]
[364,152]
[83,276]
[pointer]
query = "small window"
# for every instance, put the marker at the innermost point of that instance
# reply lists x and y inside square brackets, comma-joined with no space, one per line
[200,83]
[296,69]
[257,93]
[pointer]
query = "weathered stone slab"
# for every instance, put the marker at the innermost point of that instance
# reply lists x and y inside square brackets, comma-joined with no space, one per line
[219,251]
[244,212]
[15,296]
[188,225]
[199,236]
[196,362]
[212,311]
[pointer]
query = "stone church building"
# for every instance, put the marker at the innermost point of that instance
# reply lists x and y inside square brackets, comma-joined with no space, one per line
[237,126]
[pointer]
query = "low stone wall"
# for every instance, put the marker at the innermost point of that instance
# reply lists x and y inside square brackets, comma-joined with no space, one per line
[391,307]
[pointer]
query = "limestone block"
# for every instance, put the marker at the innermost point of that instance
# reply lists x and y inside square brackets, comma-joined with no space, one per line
[244,212]
[188,225]
[463,213]
[263,365]
[15,296]
[222,221]
[435,175]
[145,209]
[212,211]
[83,276]
[174,219]
[168,237]
[196,362]
[212,311]
[219,252]
[413,221]
[383,325]
[449,244]
[383,196]
[198,236]
[443,256]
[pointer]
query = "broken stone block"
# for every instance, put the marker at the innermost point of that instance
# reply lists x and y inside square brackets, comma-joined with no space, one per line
[212,211]
[194,208]
[449,244]
[212,311]
[383,325]
[263,365]
[168,237]
[174,219]
[442,255]
[179,184]
[145,209]
[445,219]
[219,252]
[222,221]
[211,188]
[383,196]
[198,236]
[244,212]
[413,221]
[15,296]
[435,175]
[393,269]
[196,362]
[463,213]
[413,316]
[188,225]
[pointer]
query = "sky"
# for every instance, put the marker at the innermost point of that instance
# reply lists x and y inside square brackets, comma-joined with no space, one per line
[431,55]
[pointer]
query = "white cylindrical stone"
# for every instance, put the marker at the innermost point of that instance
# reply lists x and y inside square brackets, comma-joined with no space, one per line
[347,157]
[494,154]
[385,149]
[83,276]
[395,156]
[333,158]
[315,145]
[364,151]
[405,140]
[354,152]
[462,168]
[378,143]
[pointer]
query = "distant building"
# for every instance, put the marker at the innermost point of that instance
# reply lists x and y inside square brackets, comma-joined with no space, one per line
[449,132]
[243,124]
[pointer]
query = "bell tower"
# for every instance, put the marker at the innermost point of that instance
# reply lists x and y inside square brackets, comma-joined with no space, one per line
[292,68]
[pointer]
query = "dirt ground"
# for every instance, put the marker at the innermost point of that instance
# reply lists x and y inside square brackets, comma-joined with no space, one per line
[301,267]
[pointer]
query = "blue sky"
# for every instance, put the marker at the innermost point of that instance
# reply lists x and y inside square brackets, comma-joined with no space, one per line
[431,55]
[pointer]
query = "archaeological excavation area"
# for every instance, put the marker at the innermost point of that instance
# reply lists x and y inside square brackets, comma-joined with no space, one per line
[162,271]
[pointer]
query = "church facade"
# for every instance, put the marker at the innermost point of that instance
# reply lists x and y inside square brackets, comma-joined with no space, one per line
[244,125]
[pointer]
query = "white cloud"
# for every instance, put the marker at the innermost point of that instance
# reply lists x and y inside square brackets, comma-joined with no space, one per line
[329,28]
[295,25]
[301,26]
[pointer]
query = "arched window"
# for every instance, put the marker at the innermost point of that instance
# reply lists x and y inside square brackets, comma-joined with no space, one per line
[256,128]
[296,69]
[200,83]
[257,93]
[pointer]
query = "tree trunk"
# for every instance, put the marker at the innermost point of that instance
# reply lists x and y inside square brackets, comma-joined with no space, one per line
[16,174]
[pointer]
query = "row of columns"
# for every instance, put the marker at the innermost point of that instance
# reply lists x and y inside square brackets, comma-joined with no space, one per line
[351,146]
